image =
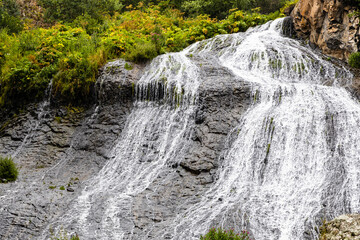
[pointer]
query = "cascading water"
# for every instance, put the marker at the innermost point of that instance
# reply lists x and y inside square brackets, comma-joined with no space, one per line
[155,136]
[294,160]
[42,110]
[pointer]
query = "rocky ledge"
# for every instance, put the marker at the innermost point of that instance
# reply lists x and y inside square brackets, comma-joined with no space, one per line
[345,227]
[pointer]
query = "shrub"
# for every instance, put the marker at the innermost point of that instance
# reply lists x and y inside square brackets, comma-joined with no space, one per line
[354,60]
[69,10]
[10,16]
[221,234]
[8,170]
[142,52]
[70,55]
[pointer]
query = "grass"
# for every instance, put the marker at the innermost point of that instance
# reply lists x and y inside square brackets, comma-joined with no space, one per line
[8,170]
[221,234]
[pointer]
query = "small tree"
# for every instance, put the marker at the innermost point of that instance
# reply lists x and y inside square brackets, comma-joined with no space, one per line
[8,170]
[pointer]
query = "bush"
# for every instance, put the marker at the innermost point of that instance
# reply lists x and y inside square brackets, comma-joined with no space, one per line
[8,170]
[10,16]
[69,10]
[221,234]
[142,52]
[70,55]
[354,60]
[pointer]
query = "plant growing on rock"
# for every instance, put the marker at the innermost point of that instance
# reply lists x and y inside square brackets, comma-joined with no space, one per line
[354,60]
[8,170]
[62,235]
[221,234]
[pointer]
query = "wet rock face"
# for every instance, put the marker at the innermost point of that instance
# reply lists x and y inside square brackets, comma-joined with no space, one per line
[343,227]
[329,25]
[222,100]
[58,150]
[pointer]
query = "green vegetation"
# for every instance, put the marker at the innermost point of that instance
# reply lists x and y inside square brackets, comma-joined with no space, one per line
[81,36]
[354,60]
[221,234]
[62,188]
[70,10]
[62,235]
[10,16]
[8,170]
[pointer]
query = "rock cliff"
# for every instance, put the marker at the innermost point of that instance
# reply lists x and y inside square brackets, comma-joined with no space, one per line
[140,162]
[330,25]
[57,147]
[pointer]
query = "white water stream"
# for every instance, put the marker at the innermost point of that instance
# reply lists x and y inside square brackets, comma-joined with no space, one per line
[296,158]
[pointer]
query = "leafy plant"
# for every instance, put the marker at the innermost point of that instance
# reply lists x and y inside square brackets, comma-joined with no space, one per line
[10,16]
[141,52]
[354,60]
[8,170]
[70,54]
[221,234]
[69,10]
[288,4]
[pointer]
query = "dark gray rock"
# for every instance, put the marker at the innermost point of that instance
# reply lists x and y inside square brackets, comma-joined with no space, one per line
[66,147]
[59,147]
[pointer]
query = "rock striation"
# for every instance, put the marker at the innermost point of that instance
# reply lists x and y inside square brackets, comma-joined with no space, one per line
[55,147]
[330,25]
[58,149]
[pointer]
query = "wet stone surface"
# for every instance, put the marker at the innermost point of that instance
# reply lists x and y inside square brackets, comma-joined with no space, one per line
[59,150]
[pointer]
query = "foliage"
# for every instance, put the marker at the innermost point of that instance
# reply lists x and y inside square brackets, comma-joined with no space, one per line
[8,170]
[288,4]
[70,54]
[10,16]
[221,234]
[69,10]
[141,52]
[354,60]
[214,8]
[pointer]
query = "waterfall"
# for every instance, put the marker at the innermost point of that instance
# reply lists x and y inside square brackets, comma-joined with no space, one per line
[155,138]
[43,110]
[294,160]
